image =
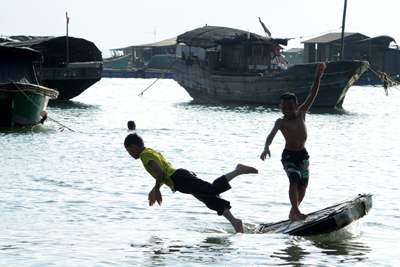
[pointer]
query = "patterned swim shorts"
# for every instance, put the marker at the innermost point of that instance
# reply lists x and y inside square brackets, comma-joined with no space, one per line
[296,165]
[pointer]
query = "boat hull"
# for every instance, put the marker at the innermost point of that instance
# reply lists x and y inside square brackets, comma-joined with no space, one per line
[69,82]
[117,62]
[23,108]
[133,73]
[266,90]
[323,221]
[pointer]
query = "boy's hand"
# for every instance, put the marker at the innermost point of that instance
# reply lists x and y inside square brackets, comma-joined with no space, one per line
[265,153]
[155,195]
[320,69]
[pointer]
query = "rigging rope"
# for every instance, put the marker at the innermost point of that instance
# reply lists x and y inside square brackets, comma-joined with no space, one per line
[141,94]
[315,34]
[44,116]
[386,79]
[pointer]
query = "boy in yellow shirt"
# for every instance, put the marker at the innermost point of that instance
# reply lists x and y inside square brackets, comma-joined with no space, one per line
[185,181]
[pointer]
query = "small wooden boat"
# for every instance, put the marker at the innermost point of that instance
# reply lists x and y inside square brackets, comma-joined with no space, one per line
[323,221]
[118,62]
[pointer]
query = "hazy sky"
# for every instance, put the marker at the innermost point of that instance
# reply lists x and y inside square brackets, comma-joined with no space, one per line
[120,23]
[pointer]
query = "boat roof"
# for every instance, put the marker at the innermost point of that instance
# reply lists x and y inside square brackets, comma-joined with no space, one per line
[26,52]
[293,50]
[44,44]
[379,40]
[212,36]
[164,43]
[351,37]
[16,64]
[334,37]
[28,37]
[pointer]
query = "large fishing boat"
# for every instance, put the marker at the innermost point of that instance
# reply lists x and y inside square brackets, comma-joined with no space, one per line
[233,66]
[70,65]
[21,98]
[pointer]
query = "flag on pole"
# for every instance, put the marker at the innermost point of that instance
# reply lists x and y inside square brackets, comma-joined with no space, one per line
[267,32]
[66,14]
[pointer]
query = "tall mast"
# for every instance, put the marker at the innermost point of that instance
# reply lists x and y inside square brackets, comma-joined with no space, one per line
[343,23]
[67,61]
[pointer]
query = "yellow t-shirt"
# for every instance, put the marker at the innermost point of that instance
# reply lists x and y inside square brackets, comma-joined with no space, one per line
[150,154]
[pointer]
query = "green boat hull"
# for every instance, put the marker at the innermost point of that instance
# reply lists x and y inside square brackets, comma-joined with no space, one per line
[21,109]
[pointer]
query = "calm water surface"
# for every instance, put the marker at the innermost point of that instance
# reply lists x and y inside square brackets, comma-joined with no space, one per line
[78,198]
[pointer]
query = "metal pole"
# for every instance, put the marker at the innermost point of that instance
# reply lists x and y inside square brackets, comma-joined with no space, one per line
[343,23]
[67,61]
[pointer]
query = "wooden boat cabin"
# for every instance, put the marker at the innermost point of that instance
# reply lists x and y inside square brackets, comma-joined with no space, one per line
[232,50]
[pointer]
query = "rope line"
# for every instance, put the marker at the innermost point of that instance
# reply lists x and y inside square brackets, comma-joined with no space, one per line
[386,79]
[44,117]
[315,34]
[141,94]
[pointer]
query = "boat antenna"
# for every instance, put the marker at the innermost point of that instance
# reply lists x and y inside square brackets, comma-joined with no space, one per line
[343,23]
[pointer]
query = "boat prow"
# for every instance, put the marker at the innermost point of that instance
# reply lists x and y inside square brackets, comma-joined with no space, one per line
[323,221]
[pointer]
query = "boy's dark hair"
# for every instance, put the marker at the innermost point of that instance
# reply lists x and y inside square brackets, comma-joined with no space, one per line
[288,96]
[133,139]
[131,125]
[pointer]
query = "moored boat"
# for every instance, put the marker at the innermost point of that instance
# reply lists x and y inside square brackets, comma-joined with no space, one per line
[159,66]
[21,98]
[70,66]
[235,66]
[117,62]
[323,221]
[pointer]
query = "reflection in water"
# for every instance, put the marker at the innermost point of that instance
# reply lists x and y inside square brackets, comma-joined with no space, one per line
[68,104]
[231,107]
[344,251]
[293,253]
[218,240]
[260,108]
[154,251]
[157,251]
[24,130]
[329,111]
[343,242]
[344,245]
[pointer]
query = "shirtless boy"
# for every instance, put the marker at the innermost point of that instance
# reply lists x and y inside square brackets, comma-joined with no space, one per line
[185,181]
[295,156]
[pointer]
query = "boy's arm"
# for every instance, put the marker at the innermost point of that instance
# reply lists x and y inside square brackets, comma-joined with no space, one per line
[314,89]
[155,194]
[270,137]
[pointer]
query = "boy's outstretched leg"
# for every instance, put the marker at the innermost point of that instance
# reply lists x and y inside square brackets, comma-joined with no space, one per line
[240,169]
[236,223]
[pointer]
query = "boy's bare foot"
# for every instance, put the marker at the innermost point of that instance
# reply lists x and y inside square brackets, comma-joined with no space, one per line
[246,169]
[238,225]
[302,217]
[297,217]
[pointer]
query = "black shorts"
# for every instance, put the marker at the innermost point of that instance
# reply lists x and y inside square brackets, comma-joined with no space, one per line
[296,166]
[187,182]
